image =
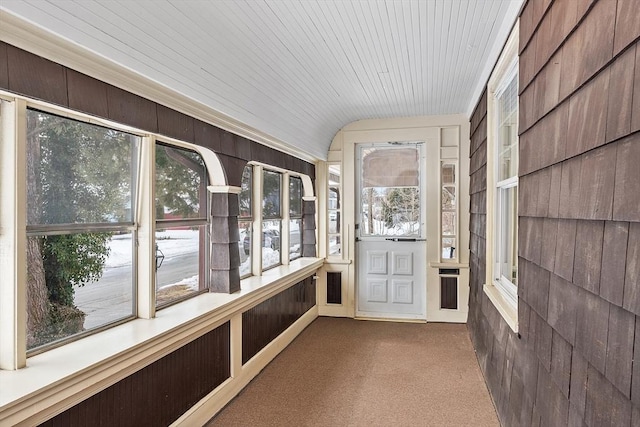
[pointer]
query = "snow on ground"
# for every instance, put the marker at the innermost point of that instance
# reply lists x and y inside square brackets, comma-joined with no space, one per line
[170,242]
[270,257]
[190,282]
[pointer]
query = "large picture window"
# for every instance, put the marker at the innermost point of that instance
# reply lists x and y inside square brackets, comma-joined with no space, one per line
[81,181]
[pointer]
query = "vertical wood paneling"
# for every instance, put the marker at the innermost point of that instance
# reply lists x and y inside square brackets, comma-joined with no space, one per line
[264,322]
[4,66]
[449,293]
[159,393]
[35,76]
[87,94]
[334,287]
[133,110]
[175,124]
[578,285]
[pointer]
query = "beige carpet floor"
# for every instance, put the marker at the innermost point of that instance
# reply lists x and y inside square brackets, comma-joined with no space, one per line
[344,372]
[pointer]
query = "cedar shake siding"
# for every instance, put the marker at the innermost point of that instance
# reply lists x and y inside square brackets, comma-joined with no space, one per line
[571,362]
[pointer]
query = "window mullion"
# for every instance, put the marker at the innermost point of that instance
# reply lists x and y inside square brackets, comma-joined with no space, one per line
[145,260]
[13,327]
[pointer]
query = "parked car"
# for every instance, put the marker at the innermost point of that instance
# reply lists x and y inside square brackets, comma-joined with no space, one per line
[270,239]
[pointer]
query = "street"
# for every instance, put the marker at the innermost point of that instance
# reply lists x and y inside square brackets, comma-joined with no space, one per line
[111,298]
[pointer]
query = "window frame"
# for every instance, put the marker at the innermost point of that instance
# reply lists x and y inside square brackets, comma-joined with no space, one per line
[500,290]
[455,210]
[337,210]
[282,230]
[294,215]
[201,221]
[129,227]
[247,218]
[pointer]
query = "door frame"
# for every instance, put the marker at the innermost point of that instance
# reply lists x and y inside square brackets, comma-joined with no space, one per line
[431,138]
[442,134]
[422,238]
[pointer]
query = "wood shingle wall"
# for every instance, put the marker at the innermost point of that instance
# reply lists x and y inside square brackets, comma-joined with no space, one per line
[579,222]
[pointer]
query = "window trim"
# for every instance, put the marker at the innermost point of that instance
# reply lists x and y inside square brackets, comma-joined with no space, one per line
[501,294]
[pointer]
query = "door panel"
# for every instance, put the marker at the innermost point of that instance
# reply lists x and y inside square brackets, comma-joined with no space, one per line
[390,284]
[391,246]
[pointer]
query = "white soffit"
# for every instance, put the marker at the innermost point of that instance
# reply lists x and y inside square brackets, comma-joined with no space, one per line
[296,70]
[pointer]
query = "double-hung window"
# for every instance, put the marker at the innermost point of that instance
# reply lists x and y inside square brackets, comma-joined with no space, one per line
[506,188]
[502,183]
[182,224]
[245,221]
[271,218]
[81,231]
[295,217]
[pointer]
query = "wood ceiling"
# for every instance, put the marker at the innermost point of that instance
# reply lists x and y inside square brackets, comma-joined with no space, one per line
[297,70]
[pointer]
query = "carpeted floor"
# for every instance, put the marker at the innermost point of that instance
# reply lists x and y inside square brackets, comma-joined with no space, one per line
[345,372]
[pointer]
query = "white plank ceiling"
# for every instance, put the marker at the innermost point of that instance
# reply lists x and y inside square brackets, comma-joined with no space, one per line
[298,70]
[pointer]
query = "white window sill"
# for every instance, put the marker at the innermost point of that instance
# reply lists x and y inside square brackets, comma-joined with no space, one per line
[64,376]
[508,312]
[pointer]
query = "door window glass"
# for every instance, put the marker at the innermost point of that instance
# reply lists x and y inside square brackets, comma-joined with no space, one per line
[390,192]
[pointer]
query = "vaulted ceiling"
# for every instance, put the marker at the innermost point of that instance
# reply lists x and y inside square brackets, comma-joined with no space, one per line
[296,70]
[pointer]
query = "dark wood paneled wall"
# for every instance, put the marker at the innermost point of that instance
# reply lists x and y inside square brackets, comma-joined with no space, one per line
[579,223]
[334,287]
[160,393]
[449,293]
[264,322]
[30,75]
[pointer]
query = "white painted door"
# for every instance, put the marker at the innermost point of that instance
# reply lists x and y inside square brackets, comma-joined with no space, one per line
[391,244]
